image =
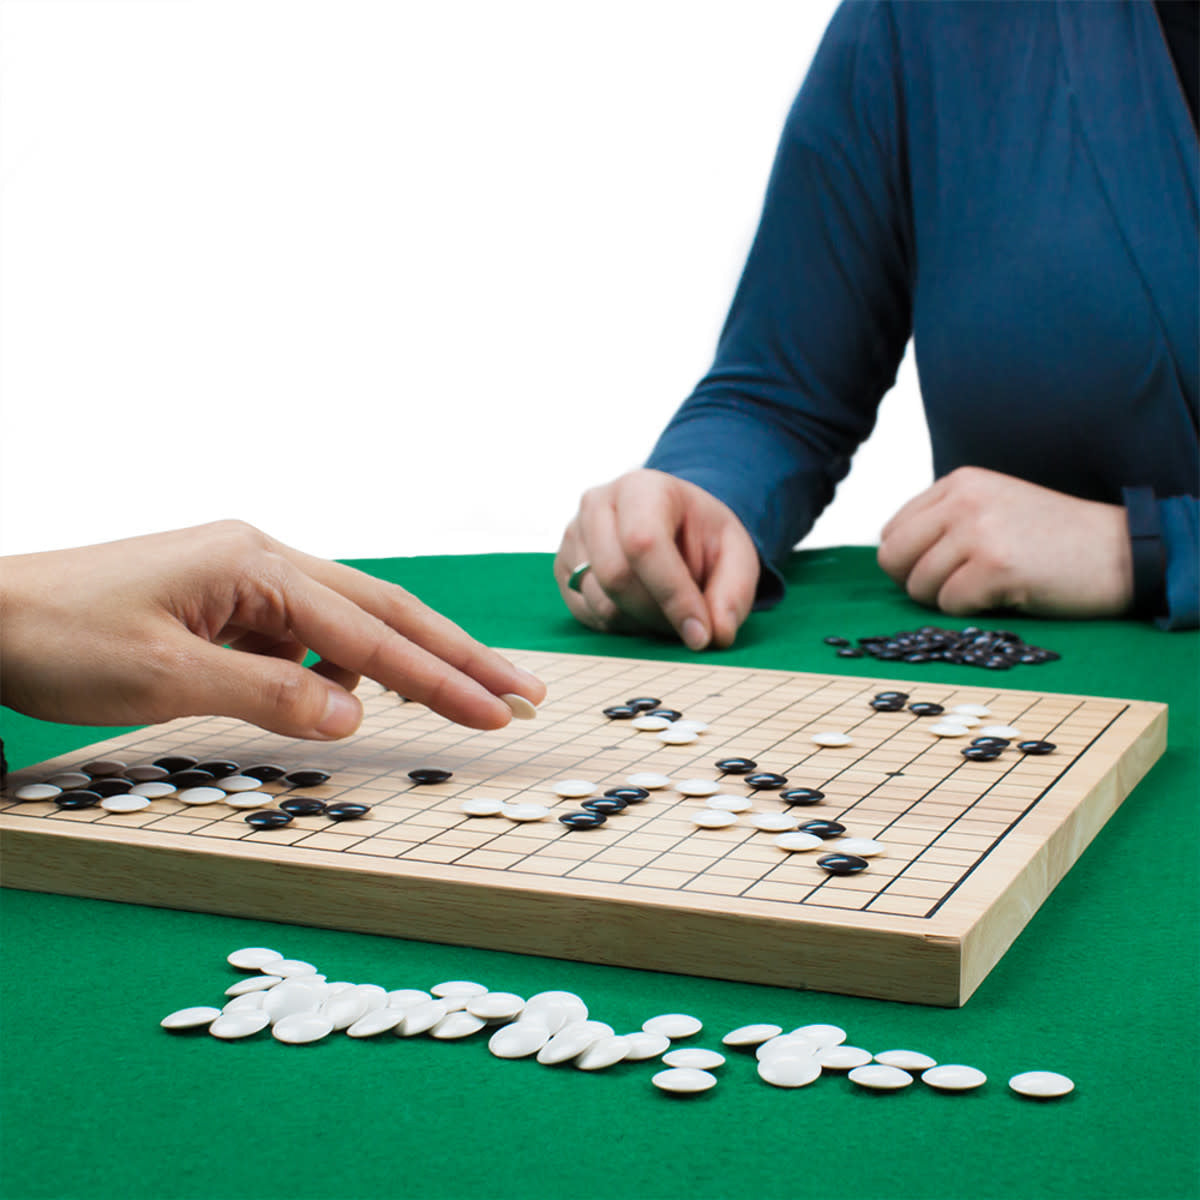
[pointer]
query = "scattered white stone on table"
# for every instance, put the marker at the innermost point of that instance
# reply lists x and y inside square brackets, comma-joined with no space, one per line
[247,1002]
[481,806]
[457,1025]
[145,773]
[678,737]
[797,841]
[256,983]
[863,847]
[572,1041]
[751,1035]
[773,822]
[300,1028]
[603,1052]
[674,1025]
[880,1078]
[289,968]
[344,1008]
[683,1080]
[250,799]
[646,1045]
[649,780]
[789,1070]
[239,783]
[944,729]
[232,1025]
[201,795]
[406,997]
[458,987]
[375,996]
[69,779]
[421,1018]
[381,1020]
[518,1040]
[496,1006]
[714,818]
[573,789]
[190,1018]
[285,1000]
[831,737]
[908,1060]
[124,803]
[1004,731]
[1041,1085]
[953,1077]
[843,1058]
[253,958]
[972,710]
[522,709]
[787,1044]
[152,789]
[525,812]
[694,1056]
[823,1035]
[727,802]
[37,791]
[103,766]
[555,1009]
[649,724]
[698,787]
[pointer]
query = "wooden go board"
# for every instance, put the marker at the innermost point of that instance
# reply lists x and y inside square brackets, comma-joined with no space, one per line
[973,848]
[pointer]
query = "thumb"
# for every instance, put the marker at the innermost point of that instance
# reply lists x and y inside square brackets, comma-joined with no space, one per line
[732,583]
[273,693]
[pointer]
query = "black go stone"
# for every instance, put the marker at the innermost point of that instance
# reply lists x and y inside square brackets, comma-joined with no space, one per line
[982,753]
[641,704]
[925,708]
[998,742]
[191,777]
[801,797]
[1027,748]
[887,705]
[268,818]
[346,810]
[842,864]
[219,768]
[619,712]
[78,798]
[902,697]
[176,762]
[671,714]
[110,787]
[429,775]
[631,795]
[265,772]
[835,641]
[736,766]
[308,777]
[823,829]
[606,805]
[850,652]
[991,649]
[303,806]
[582,820]
[766,781]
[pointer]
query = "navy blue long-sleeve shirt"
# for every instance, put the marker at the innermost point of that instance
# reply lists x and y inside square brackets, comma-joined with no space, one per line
[1014,185]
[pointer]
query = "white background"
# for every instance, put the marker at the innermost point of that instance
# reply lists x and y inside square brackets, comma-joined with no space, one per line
[383,277]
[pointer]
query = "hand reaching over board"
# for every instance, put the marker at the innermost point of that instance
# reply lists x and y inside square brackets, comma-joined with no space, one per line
[216,620]
[661,554]
[978,540]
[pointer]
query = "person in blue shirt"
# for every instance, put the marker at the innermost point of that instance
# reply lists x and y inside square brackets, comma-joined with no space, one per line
[1014,186]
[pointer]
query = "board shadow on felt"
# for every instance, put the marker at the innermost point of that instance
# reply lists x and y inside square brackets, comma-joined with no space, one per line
[973,848]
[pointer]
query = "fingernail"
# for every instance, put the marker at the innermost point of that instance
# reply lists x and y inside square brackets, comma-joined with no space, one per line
[694,635]
[342,714]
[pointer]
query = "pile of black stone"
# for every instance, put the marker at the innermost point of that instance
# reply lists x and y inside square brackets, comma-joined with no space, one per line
[995,649]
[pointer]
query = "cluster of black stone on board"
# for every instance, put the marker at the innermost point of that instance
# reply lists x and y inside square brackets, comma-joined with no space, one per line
[982,749]
[995,649]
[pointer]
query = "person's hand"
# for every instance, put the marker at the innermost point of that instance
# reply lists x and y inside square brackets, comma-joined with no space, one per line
[978,540]
[216,620]
[665,556]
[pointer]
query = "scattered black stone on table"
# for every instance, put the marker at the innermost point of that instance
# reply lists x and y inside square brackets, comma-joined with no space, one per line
[1036,747]
[429,775]
[766,781]
[582,820]
[835,641]
[190,777]
[606,805]
[78,798]
[982,753]
[219,768]
[265,772]
[310,777]
[842,864]
[925,708]
[801,796]
[619,712]
[176,762]
[641,704]
[992,649]
[268,818]
[823,829]
[850,652]
[346,810]
[631,795]
[736,766]
[303,806]
[110,787]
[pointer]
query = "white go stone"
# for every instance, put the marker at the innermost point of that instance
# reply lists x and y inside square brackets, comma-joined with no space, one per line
[823,1035]
[790,1044]
[421,1018]
[1041,1085]
[789,1070]
[375,996]
[674,1025]
[713,818]
[69,779]
[907,1060]
[253,958]
[843,1058]
[796,841]
[344,1008]
[37,791]
[247,1002]
[1004,731]
[250,800]
[603,1052]
[406,997]
[690,725]
[831,737]
[522,709]
[572,1041]
[201,795]
[290,968]
[496,1006]
[694,1056]
[371,1024]
[457,1025]
[285,1001]
[230,1026]
[644,1045]
[256,983]
[961,718]
[299,1028]
[190,1018]
[947,729]
[525,812]
[972,710]
[683,1080]
[480,806]
[518,1040]
[727,802]
[153,789]
[773,822]
[954,1077]
[648,780]
[698,787]
[751,1035]
[146,773]
[880,1078]
[573,789]
[239,783]
[555,1010]
[863,847]
[125,803]
[648,724]
[678,737]
[458,987]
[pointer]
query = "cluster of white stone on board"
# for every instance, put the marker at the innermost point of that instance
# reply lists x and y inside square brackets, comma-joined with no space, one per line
[300,1005]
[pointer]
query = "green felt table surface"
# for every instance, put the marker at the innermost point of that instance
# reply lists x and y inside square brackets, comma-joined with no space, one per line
[1103,985]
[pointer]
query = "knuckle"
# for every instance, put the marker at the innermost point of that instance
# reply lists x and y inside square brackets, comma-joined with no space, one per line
[292,695]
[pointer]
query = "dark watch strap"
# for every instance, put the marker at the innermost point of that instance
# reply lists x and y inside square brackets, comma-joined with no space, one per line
[1149,553]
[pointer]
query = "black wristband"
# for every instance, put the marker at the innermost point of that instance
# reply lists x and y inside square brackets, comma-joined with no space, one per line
[1149,553]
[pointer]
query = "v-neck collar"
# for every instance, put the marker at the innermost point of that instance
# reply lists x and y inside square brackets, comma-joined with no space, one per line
[1142,142]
